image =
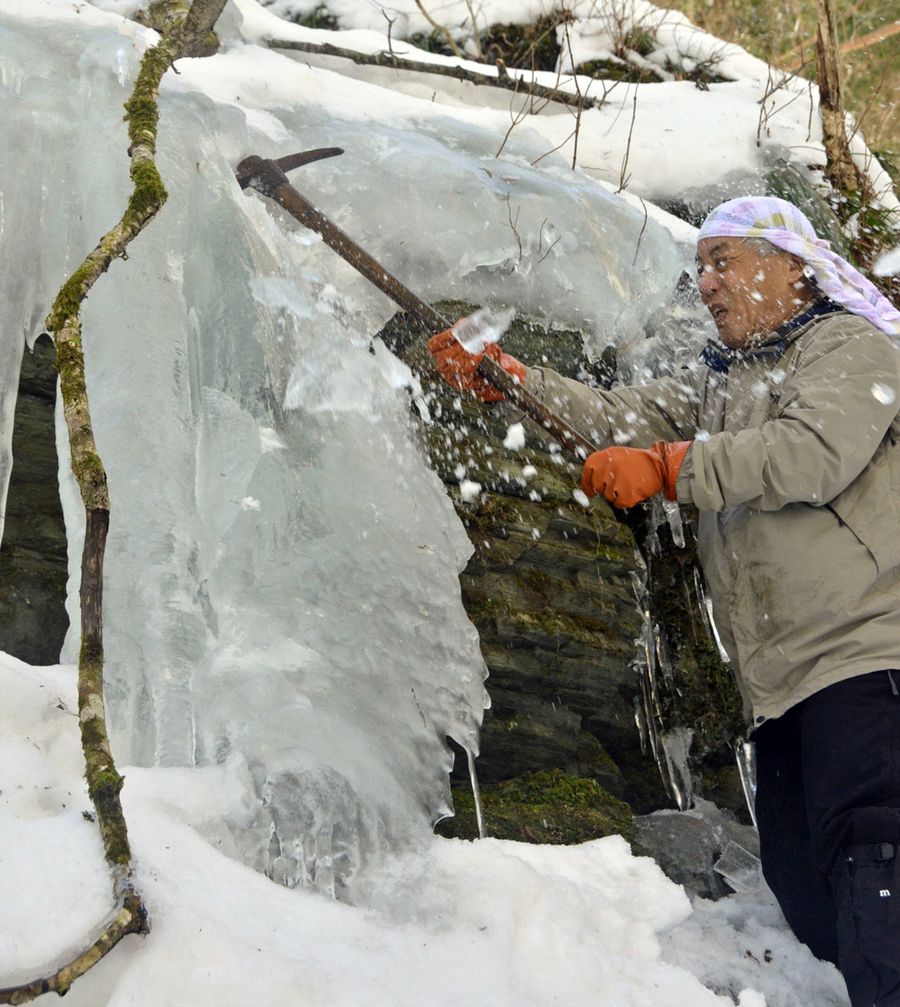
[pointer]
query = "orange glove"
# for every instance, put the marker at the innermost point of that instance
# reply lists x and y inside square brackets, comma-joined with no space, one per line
[626,476]
[459,368]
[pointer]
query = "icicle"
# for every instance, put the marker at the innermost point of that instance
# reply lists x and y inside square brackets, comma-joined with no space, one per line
[745,755]
[676,746]
[663,659]
[704,603]
[640,722]
[476,794]
[647,709]
[673,516]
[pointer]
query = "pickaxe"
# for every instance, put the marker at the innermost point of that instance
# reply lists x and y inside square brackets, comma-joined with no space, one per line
[268,177]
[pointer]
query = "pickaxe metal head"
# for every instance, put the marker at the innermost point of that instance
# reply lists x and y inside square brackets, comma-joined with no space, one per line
[266,174]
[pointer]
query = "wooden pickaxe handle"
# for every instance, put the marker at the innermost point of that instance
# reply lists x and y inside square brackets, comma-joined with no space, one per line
[268,178]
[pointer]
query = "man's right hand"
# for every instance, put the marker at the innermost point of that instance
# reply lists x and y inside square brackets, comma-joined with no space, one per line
[459,368]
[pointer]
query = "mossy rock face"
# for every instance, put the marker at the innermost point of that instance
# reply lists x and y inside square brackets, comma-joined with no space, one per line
[33,557]
[549,585]
[545,807]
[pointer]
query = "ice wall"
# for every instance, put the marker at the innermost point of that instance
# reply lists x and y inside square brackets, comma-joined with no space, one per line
[281,578]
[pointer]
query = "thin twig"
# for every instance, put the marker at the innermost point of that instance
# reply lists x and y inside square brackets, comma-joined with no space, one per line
[475,36]
[623,177]
[553,245]
[512,224]
[391,21]
[641,235]
[451,41]
[581,97]
[553,150]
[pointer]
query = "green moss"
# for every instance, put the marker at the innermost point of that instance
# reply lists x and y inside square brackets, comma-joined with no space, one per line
[104,785]
[545,807]
[640,40]
[321,17]
[67,306]
[432,41]
[91,477]
[142,108]
[524,46]
[70,356]
[604,69]
[93,735]
[502,598]
[148,195]
[90,660]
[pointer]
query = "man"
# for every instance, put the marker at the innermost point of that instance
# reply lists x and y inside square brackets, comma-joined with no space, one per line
[785,439]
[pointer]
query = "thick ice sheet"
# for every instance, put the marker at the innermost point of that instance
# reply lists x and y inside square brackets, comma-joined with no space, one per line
[281,569]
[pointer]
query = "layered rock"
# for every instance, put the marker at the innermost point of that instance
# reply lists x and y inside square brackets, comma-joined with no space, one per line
[33,556]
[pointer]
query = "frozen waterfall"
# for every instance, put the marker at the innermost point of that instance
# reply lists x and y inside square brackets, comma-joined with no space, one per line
[281,580]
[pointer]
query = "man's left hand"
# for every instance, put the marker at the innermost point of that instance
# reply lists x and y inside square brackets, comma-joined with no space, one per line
[626,476]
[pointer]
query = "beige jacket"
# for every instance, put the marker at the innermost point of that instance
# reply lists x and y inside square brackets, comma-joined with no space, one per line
[795,470]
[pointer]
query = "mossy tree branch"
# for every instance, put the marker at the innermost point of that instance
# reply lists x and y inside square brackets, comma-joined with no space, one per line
[64,321]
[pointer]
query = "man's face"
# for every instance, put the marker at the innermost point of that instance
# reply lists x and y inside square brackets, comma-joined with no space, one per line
[748,295]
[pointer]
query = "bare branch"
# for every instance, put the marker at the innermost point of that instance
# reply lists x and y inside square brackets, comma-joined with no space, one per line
[509,80]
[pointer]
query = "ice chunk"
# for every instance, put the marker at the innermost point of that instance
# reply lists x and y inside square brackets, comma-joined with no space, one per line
[469,490]
[740,868]
[482,327]
[515,437]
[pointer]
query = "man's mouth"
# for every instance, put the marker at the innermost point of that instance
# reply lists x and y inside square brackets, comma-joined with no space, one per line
[718,313]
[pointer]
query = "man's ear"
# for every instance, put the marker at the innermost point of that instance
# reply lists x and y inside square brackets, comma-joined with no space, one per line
[797,267]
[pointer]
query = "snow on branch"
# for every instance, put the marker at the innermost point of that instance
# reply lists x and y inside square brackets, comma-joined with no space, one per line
[504,78]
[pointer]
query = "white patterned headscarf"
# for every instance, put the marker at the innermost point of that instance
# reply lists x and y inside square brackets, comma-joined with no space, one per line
[782,224]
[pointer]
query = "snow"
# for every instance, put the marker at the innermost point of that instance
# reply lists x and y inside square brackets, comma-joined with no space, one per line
[489,922]
[888,263]
[286,646]
[515,441]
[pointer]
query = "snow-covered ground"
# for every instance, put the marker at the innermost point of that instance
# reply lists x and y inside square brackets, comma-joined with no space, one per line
[486,923]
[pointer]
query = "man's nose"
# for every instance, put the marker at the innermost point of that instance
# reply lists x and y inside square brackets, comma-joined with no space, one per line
[708,282]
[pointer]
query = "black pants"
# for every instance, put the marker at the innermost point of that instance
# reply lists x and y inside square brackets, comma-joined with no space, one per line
[828,810]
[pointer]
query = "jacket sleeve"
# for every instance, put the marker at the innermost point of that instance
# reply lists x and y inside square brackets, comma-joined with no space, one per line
[833,412]
[665,409]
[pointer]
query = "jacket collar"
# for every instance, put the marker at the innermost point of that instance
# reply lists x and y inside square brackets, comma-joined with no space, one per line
[719,357]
